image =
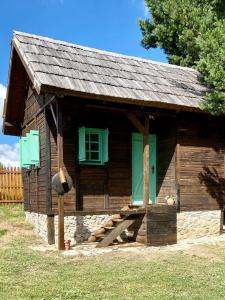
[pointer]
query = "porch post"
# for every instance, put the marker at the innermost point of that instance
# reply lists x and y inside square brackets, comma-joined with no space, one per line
[60,163]
[146,162]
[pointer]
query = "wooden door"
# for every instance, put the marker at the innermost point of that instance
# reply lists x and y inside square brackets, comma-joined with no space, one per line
[137,168]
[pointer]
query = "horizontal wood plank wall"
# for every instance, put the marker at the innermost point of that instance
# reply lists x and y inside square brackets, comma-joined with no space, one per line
[202,144]
[32,104]
[34,180]
[92,178]
[161,225]
[166,145]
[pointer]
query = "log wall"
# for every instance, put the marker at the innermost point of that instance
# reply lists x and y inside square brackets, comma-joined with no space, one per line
[166,146]
[200,175]
[202,145]
[34,180]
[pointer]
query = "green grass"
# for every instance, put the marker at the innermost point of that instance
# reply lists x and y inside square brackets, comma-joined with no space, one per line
[29,274]
[3,232]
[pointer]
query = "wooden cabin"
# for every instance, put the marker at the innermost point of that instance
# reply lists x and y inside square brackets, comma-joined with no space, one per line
[92,113]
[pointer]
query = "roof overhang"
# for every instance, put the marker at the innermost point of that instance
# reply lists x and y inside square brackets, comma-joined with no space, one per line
[16,92]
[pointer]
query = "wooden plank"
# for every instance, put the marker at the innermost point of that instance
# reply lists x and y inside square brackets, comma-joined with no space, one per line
[48,164]
[161,225]
[112,235]
[60,164]
[11,188]
[51,230]
[106,186]
[78,199]
[146,163]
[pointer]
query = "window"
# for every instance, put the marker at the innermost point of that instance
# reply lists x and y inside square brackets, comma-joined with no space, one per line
[29,149]
[93,146]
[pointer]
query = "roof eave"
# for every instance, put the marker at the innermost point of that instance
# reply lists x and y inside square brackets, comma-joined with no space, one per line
[157,104]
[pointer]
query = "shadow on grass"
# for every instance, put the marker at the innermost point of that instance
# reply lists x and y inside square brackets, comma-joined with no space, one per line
[3,232]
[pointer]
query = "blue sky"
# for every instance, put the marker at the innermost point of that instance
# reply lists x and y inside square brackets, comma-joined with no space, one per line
[104,24]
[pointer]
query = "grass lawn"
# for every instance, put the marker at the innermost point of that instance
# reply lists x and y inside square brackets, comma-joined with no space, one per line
[25,273]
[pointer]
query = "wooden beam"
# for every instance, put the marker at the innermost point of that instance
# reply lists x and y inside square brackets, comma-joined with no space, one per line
[53,114]
[177,168]
[106,186]
[50,230]
[134,120]
[48,163]
[146,162]
[60,163]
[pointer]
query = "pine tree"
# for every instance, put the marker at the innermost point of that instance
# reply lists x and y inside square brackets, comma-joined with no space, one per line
[192,33]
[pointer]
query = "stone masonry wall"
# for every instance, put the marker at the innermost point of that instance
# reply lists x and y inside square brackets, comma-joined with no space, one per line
[195,224]
[39,221]
[77,228]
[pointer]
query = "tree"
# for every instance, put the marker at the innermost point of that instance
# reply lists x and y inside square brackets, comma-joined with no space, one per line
[192,33]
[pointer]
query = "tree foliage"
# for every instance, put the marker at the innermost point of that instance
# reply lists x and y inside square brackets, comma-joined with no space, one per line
[192,33]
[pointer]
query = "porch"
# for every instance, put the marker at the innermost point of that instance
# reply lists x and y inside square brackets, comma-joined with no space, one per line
[138,140]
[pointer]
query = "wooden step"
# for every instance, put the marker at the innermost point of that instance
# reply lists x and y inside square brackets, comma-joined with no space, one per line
[117,220]
[99,237]
[113,234]
[109,228]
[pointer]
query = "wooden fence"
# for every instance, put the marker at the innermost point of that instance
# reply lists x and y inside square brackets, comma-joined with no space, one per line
[11,187]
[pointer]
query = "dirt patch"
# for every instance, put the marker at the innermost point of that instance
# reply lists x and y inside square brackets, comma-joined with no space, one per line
[12,231]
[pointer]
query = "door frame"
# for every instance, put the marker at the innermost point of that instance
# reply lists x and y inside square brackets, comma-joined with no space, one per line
[136,135]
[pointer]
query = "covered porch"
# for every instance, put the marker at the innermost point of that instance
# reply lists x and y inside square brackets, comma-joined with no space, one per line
[140,159]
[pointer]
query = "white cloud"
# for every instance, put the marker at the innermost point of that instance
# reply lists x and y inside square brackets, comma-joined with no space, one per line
[2,97]
[9,155]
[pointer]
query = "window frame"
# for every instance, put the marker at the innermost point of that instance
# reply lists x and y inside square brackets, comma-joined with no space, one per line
[100,132]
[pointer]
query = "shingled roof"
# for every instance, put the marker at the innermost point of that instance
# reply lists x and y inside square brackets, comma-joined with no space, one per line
[73,68]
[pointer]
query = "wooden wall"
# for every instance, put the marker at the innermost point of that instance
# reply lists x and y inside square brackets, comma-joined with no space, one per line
[95,187]
[200,164]
[202,144]
[34,180]
[110,186]
[166,145]
[161,225]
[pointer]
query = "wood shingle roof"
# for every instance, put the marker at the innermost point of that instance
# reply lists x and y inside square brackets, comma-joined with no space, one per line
[73,68]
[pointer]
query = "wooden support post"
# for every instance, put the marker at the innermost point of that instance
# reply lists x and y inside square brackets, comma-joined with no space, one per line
[60,163]
[177,168]
[51,230]
[146,162]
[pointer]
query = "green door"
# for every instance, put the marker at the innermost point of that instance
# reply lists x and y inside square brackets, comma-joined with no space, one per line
[137,168]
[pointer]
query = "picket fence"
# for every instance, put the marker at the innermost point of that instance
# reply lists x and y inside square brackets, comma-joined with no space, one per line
[11,187]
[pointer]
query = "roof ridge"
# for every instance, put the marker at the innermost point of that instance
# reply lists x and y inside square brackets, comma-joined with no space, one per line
[51,40]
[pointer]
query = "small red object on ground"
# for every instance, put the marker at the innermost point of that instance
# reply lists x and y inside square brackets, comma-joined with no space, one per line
[67,245]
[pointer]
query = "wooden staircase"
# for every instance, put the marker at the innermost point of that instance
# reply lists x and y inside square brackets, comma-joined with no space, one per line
[116,225]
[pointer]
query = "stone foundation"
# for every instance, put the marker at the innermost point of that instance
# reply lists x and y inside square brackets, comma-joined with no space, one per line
[77,228]
[196,224]
[192,224]
[39,221]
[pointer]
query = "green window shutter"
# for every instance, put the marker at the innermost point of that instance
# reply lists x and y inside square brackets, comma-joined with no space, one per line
[24,152]
[82,152]
[105,135]
[34,147]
